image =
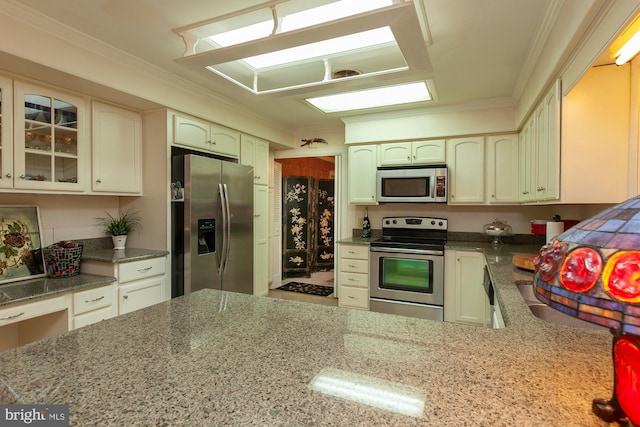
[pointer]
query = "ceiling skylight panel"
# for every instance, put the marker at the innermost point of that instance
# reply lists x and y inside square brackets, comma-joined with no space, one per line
[323,48]
[371,98]
[330,12]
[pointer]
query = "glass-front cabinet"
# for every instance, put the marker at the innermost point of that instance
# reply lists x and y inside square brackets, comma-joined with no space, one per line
[48,141]
[6,143]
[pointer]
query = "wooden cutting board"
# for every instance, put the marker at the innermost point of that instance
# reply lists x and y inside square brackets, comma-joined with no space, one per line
[524,261]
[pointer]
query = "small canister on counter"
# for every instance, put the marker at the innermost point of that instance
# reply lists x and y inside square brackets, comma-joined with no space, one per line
[539,226]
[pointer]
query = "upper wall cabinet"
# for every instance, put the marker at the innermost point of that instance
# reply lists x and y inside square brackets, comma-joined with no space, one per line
[502,169]
[49,145]
[362,174]
[465,161]
[201,135]
[412,153]
[255,152]
[6,126]
[116,150]
[539,151]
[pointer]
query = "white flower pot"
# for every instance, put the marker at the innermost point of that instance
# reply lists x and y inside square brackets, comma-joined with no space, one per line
[119,242]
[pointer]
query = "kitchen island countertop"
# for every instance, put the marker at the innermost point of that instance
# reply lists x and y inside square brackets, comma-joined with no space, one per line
[221,358]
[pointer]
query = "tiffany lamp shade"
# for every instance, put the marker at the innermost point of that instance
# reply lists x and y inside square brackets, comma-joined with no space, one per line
[592,272]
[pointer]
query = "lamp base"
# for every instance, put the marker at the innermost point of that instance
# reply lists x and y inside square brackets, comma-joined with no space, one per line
[607,410]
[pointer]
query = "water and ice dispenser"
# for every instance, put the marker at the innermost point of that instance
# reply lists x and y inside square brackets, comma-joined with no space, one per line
[206,236]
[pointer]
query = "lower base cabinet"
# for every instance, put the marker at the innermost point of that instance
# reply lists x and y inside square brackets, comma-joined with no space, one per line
[465,300]
[140,283]
[94,305]
[353,276]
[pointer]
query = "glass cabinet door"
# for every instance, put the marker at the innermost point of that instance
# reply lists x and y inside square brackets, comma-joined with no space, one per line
[49,154]
[6,142]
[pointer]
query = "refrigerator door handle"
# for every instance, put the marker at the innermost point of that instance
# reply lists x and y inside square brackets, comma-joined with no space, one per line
[222,254]
[227,222]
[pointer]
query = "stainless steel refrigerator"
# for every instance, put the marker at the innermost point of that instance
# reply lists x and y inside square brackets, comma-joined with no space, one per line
[212,225]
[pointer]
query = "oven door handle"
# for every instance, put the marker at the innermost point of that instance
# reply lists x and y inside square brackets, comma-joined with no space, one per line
[406,251]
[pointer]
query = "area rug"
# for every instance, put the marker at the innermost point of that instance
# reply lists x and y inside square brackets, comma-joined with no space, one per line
[307,288]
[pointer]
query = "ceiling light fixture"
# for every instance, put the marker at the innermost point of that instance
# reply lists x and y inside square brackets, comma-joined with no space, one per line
[372,98]
[627,46]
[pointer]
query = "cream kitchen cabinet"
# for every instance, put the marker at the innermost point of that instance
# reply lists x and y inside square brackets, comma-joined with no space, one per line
[23,323]
[49,148]
[353,276]
[539,151]
[261,240]
[412,153]
[466,165]
[362,167]
[6,134]
[255,152]
[94,305]
[141,283]
[502,169]
[116,141]
[204,136]
[465,300]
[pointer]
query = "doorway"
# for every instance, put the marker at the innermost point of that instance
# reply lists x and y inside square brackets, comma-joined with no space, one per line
[307,212]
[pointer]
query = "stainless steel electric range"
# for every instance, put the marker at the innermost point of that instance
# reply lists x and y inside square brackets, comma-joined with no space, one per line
[407,267]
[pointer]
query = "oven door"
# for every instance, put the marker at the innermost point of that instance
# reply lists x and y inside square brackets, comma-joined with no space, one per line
[408,277]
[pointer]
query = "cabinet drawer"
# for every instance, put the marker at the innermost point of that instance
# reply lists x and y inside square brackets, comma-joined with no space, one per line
[354,266]
[21,312]
[136,270]
[355,252]
[92,299]
[357,280]
[354,297]
[93,317]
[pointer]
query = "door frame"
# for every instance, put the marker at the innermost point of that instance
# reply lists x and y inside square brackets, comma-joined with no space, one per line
[340,191]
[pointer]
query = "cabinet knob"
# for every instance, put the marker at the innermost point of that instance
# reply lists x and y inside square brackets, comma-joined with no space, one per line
[414,157]
[408,157]
[126,297]
[8,175]
[257,215]
[98,181]
[21,176]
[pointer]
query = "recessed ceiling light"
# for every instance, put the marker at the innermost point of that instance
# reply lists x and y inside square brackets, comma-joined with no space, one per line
[371,98]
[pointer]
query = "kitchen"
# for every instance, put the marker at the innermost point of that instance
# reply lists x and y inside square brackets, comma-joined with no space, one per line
[134,86]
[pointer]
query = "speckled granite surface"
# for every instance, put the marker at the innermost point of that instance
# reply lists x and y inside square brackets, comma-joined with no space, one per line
[26,290]
[219,358]
[93,249]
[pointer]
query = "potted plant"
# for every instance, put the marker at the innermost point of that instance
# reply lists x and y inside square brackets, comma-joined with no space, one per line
[119,226]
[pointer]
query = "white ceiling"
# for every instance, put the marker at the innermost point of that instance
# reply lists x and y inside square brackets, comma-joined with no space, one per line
[481,50]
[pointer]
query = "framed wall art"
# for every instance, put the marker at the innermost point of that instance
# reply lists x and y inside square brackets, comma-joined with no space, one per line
[20,243]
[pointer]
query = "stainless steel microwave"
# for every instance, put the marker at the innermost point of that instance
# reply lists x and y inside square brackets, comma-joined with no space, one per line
[412,185]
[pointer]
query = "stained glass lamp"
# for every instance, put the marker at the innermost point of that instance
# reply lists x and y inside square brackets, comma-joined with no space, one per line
[592,272]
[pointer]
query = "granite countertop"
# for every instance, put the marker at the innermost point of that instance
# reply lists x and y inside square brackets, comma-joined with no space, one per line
[30,289]
[223,358]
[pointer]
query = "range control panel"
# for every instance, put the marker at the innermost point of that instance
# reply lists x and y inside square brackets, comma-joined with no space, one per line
[415,222]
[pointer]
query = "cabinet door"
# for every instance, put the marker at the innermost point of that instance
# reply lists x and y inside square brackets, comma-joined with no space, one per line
[394,154]
[140,294]
[527,162]
[117,150]
[548,146]
[225,142]
[260,240]
[6,136]
[362,166]
[466,300]
[49,150]
[261,163]
[192,133]
[428,152]
[502,169]
[466,170]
